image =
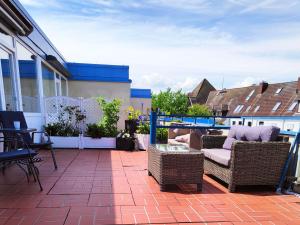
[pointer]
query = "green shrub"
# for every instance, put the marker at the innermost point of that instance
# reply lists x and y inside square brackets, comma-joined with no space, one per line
[162,135]
[94,131]
[199,110]
[70,119]
[143,128]
[110,116]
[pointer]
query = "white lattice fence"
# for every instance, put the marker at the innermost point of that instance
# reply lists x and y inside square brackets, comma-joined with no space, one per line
[89,106]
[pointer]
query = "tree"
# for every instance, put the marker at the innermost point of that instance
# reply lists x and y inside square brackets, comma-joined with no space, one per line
[170,102]
[199,110]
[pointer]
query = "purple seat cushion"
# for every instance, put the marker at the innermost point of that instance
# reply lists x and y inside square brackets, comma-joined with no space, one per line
[252,133]
[221,156]
[228,143]
[269,133]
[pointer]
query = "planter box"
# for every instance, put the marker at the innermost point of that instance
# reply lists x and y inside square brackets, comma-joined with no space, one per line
[65,142]
[125,143]
[105,142]
[131,126]
[143,141]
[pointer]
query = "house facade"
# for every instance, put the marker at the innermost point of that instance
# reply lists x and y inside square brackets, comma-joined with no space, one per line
[263,104]
[32,69]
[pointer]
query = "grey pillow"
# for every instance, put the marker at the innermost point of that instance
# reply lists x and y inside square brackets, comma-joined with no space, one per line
[269,133]
[228,143]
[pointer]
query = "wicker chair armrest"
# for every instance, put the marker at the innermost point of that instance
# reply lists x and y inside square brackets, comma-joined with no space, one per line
[247,155]
[213,141]
[195,141]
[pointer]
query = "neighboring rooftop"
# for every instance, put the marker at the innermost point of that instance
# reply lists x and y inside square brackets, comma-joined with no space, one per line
[200,93]
[140,93]
[278,99]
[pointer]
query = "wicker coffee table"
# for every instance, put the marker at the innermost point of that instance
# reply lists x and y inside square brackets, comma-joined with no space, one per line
[175,164]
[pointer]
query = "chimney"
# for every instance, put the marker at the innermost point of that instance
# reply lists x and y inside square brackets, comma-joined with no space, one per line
[263,87]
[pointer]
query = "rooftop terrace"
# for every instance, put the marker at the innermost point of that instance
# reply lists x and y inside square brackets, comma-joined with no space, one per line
[112,187]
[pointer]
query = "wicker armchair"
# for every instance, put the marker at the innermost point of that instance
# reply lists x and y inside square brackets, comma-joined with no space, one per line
[251,163]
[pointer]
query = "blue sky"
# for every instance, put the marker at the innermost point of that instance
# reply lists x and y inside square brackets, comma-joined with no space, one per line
[177,43]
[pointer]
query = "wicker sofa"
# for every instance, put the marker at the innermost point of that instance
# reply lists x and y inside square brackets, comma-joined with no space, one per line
[247,163]
[194,138]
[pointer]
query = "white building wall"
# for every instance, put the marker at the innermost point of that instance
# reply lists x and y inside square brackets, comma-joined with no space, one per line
[108,90]
[142,104]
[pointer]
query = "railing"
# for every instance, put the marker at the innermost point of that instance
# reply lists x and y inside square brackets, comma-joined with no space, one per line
[194,122]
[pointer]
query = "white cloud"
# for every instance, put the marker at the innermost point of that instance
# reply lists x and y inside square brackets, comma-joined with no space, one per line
[167,55]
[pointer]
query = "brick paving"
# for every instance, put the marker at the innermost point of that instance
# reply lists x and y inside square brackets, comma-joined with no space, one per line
[93,187]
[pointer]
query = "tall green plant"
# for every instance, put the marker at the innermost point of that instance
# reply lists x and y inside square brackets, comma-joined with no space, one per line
[170,102]
[110,116]
[199,110]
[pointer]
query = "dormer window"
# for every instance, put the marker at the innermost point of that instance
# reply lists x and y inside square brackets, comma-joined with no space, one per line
[238,108]
[292,106]
[276,106]
[256,108]
[248,108]
[278,91]
[250,94]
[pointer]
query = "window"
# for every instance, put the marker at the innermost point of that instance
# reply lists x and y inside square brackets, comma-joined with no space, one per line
[48,81]
[256,108]
[233,122]
[292,106]
[240,122]
[248,108]
[261,123]
[238,108]
[64,90]
[276,106]
[6,39]
[249,96]
[249,124]
[28,79]
[278,91]
[8,96]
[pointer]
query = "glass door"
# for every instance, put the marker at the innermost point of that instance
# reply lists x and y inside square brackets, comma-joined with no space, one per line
[7,94]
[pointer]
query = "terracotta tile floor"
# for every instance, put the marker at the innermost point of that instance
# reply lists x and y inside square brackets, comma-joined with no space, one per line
[93,187]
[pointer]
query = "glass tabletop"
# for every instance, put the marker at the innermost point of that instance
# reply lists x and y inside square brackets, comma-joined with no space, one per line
[172,148]
[21,130]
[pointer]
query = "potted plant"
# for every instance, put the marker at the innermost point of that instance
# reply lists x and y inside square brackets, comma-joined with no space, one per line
[143,135]
[162,135]
[65,133]
[132,120]
[125,141]
[103,134]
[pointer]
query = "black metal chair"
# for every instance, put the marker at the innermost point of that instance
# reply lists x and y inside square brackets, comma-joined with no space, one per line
[19,153]
[7,119]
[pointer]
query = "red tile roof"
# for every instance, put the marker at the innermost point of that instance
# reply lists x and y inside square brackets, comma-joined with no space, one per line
[266,101]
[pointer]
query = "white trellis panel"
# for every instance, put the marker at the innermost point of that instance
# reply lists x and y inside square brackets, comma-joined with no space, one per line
[88,106]
[92,110]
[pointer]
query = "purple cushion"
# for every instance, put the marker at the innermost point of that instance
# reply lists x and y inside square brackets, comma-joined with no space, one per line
[232,132]
[228,143]
[269,133]
[253,134]
[221,156]
[240,133]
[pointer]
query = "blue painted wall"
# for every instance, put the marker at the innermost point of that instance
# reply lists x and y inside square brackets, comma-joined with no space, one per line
[99,72]
[140,93]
